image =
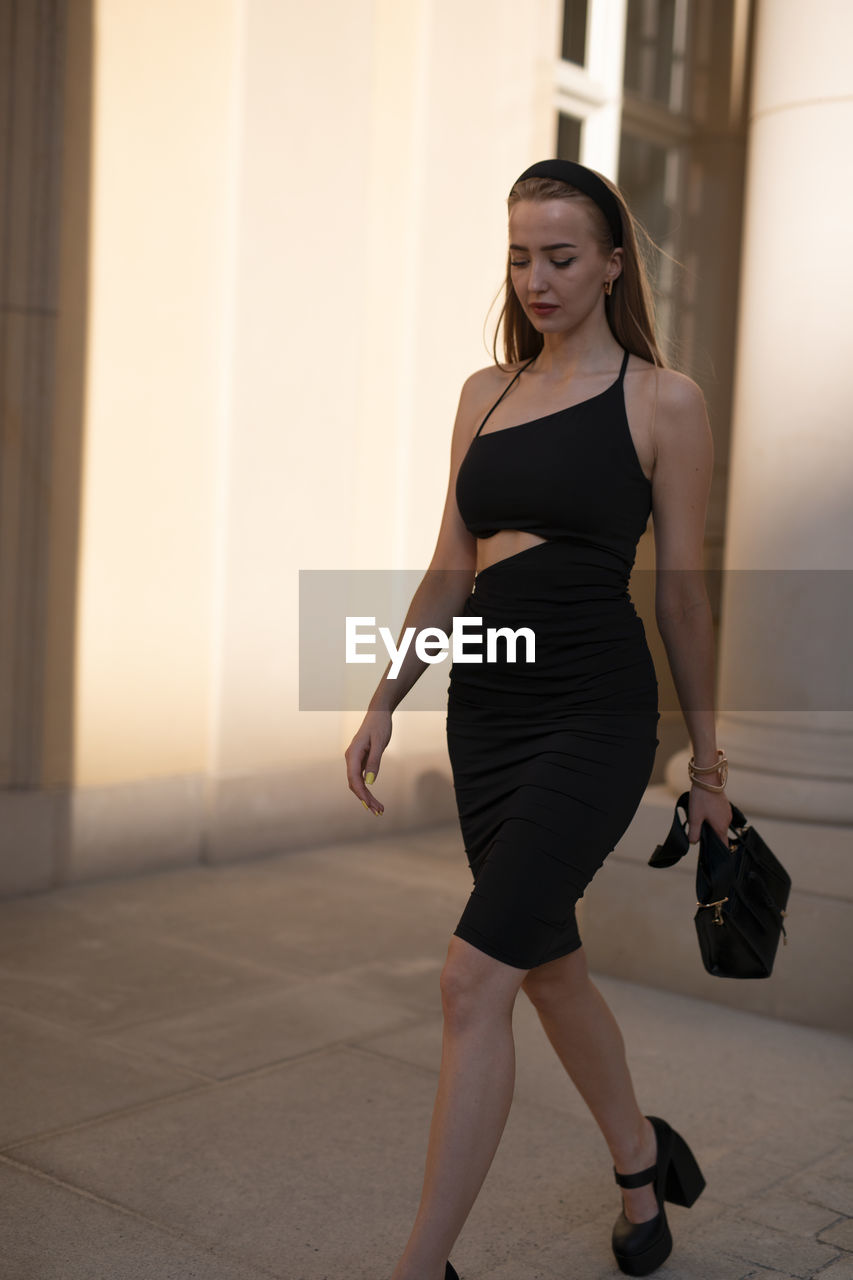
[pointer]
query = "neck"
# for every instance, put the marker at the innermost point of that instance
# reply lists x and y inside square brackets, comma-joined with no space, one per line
[590,349]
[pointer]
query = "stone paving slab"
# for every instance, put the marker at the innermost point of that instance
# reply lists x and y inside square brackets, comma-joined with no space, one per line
[755,1243]
[840,1234]
[787,1213]
[229,1073]
[821,1185]
[51,1232]
[299,1169]
[299,914]
[241,1035]
[99,972]
[320,1163]
[54,1078]
[840,1270]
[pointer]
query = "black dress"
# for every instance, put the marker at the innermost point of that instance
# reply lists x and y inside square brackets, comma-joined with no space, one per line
[550,758]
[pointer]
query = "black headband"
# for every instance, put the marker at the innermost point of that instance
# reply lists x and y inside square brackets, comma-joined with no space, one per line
[586,181]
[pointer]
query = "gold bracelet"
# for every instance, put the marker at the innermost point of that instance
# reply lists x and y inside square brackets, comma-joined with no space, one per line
[707,786]
[720,767]
[706,768]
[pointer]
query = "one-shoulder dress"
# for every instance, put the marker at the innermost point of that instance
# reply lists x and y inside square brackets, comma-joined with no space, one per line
[550,758]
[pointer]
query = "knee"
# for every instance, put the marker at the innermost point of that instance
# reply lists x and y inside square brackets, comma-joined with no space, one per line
[460,993]
[550,987]
[544,992]
[468,997]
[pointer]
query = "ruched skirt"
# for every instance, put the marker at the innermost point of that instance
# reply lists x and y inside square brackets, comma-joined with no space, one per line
[549,758]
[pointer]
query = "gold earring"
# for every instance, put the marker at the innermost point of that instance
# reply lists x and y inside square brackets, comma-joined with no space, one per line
[608,287]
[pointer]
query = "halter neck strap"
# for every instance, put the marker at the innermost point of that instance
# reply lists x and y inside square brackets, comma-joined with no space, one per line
[507,388]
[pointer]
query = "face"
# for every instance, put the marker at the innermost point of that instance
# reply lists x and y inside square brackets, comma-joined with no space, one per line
[557,267]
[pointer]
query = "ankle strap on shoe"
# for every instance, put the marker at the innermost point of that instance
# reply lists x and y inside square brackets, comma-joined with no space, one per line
[631,1180]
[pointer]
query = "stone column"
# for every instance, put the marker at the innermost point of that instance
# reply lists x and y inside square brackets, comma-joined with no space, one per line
[785,695]
[32,60]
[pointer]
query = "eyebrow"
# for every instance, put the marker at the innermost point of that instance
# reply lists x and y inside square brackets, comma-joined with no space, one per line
[546,248]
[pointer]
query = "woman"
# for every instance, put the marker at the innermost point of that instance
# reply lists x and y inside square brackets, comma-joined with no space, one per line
[558,458]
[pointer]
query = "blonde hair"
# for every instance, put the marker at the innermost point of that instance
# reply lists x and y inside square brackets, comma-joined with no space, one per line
[629,308]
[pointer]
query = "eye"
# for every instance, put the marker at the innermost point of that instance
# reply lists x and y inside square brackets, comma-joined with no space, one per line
[521,263]
[561,262]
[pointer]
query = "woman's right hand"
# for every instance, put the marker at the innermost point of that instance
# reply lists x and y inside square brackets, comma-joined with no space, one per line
[364,753]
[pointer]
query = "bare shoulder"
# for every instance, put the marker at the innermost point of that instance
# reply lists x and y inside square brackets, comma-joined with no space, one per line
[674,391]
[493,378]
[678,394]
[481,389]
[681,431]
[673,405]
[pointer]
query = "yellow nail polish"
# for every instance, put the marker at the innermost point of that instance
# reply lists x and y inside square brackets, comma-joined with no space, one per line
[370,778]
[366,805]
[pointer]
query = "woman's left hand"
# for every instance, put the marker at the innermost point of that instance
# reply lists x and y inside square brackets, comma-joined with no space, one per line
[711,806]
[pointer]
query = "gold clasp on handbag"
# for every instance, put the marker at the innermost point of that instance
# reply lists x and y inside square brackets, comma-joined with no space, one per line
[718,909]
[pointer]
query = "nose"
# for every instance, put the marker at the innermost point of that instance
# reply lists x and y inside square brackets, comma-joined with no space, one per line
[536,281]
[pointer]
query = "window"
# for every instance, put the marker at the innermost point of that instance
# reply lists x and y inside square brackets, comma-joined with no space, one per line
[574,33]
[588,82]
[651,174]
[569,131]
[656,51]
[647,92]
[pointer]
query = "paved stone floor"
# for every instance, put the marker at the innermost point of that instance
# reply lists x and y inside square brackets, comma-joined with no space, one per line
[227,1073]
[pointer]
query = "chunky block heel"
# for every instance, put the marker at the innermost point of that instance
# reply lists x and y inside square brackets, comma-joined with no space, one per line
[684,1181]
[641,1247]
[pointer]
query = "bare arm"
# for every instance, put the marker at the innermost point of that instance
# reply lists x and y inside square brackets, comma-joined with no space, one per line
[439,598]
[681,483]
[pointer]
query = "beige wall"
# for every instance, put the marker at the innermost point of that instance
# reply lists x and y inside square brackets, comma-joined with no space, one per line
[291,261]
[281,230]
[786,698]
[287,282]
[299,274]
[160,167]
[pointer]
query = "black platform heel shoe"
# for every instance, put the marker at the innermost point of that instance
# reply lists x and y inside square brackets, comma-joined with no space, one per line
[449,1273]
[641,1247]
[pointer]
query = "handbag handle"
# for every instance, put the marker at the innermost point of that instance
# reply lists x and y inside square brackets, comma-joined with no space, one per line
[677,843]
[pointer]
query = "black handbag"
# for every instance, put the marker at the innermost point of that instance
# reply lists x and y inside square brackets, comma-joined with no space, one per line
[741,890]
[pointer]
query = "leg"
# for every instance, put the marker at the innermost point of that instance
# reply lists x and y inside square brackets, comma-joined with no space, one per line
[472,1103]
[589,1044]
